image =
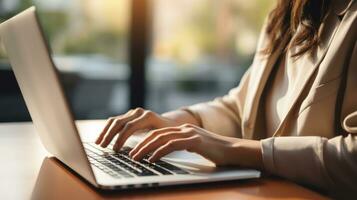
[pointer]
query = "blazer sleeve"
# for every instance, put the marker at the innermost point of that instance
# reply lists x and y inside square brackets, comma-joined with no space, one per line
[329,164]
[223,115]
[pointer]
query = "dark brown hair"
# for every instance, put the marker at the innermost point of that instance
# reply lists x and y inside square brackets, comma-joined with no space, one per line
[288,15]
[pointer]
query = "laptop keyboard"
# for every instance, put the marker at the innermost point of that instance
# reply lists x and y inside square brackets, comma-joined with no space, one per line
[120,165]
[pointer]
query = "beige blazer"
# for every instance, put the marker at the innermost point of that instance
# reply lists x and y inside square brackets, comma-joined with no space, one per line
[321,122]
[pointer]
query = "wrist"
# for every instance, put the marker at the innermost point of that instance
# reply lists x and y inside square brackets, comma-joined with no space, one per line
[247,153]
[181,117]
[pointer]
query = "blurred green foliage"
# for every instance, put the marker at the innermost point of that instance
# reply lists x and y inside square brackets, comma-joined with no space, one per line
[56,26]
[53,23]
[104,42]
[200,36]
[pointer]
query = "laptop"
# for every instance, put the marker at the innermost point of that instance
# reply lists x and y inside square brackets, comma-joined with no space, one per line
[38,79]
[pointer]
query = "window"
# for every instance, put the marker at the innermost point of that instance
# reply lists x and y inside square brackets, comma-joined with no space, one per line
[200,48]
[89,43]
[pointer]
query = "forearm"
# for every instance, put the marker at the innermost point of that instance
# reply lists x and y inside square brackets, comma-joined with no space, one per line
[181,117]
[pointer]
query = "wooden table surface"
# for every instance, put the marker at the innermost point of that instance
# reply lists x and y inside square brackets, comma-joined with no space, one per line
[27,170]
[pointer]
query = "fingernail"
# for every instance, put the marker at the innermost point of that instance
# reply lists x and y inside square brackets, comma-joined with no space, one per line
[151,159]
[131,153]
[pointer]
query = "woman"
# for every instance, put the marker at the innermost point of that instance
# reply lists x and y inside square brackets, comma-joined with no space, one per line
[293,114]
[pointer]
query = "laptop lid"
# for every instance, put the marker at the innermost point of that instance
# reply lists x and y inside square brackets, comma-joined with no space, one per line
[38,79]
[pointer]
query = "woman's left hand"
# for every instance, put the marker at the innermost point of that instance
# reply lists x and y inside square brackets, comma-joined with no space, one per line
[219,149]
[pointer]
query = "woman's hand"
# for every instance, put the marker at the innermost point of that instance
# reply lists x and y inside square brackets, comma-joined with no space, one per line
[178,130]
[129,123]
[219,149]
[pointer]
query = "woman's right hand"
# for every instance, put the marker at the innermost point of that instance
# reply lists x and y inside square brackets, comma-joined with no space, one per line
[127,124]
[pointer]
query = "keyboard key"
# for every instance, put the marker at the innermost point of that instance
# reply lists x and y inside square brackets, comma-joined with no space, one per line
[170,167]
[156,168]
[138,169]
[117,169]
[122,164]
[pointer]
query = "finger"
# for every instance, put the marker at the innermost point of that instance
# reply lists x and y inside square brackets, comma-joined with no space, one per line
[174,145]
[104,131]
[108,124]
[159,141]
[151,136]
[117,125]
[145,121]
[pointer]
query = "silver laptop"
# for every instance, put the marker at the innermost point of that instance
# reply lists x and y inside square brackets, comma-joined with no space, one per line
[38,79]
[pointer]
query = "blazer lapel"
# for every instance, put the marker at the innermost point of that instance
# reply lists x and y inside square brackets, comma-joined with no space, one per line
[260,72]
[313,62]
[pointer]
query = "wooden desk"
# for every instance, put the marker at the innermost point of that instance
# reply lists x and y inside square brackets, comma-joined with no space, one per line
[26,170]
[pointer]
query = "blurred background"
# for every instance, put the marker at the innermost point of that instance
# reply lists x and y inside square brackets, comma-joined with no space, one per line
[113,55]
